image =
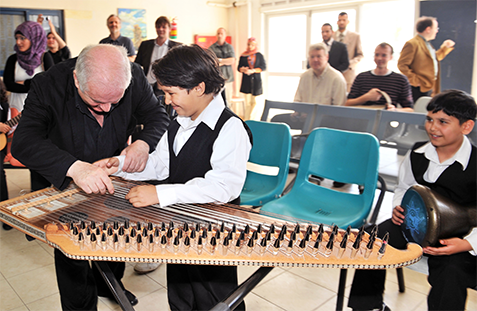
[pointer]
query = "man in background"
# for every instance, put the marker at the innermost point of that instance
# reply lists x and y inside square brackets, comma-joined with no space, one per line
[353,44]
[337,52]
[154,49]
[226,55]
[420,62]
[368,86]
[114,25]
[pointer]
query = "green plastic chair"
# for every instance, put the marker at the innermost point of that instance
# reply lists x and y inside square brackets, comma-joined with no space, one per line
[343,156]
[270,154]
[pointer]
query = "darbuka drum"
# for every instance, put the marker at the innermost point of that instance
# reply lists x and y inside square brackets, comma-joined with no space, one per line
[430,216]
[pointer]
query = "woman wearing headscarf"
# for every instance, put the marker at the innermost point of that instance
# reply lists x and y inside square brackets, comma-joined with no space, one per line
[251,64]
[29,59]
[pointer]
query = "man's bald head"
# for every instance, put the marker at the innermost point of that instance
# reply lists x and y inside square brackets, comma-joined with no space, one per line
[103,65]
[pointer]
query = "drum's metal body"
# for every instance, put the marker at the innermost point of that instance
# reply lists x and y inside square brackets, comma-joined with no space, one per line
[430,216]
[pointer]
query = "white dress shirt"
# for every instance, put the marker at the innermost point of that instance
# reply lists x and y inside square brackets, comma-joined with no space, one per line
[230,154]
[435,169]
[158,52]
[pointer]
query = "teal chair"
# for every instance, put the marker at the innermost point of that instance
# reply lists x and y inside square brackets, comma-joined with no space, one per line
[268,163]
[343,156]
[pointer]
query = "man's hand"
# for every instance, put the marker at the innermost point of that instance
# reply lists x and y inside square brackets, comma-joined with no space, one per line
[450,246]
[136,156]
[142,196]
[391,107]
[398,216]
[373,95]
[448,43]
[90,178]
[109,165]
[4,128]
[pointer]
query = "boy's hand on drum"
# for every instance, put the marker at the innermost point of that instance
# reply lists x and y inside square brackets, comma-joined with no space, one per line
[450,246]
[398,216]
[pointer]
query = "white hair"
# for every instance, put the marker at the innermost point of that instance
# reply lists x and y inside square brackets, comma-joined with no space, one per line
[317,47]
[105,65]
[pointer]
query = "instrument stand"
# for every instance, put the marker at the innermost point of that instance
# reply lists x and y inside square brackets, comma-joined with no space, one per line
[113,285]
[232,302]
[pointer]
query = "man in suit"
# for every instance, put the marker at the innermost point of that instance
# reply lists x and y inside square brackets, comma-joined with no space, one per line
[337,52]
[353,44]
[420,62]
[83,110]
[154,49]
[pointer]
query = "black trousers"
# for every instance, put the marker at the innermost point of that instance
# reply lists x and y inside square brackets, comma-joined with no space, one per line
[449,277]
[199,287]
[416,93]
[3,180]
[80,284]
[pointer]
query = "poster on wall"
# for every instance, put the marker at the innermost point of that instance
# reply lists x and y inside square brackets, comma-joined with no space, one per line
[133,25]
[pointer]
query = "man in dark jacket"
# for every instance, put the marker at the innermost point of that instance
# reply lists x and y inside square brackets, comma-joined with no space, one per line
[80,111]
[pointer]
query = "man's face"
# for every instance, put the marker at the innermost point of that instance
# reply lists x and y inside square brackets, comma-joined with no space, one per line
[433,30]
[163,31]
[382,56]
[444,130]
[326,33]
[114,24]
[343,21]
[97,99]
[221,35]
[318,59]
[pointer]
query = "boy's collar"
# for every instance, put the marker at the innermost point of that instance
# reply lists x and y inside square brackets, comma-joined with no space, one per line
[210,115]
[462,155]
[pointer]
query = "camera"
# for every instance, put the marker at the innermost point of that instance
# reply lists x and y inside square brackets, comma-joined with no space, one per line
[47,18]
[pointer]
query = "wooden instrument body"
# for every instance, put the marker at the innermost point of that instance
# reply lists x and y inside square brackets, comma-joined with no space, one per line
[48,216]
[430,217]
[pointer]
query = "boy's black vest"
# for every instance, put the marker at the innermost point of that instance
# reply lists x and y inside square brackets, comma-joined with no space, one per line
[194,158]
[454,183]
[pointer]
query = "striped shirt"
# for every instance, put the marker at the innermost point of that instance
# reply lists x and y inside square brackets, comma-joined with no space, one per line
[394,84]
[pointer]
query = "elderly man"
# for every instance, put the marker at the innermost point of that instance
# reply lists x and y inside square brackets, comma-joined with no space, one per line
[368,87]
[226,55]
[154,49]
[80,111]
[337,52]
[353,45]
[420,62]
[114,25]
[321,84]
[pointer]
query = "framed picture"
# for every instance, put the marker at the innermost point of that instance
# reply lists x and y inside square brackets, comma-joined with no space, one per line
[133,25]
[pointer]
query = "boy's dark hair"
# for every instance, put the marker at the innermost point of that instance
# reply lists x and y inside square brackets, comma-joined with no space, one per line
[162,20]
[454,103]
[186,66]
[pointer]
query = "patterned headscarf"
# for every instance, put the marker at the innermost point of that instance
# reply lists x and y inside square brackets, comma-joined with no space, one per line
[247,52]
[31,58]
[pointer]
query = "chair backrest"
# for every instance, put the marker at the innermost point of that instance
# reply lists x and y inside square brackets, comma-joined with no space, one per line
[269,156]
[275,108]
[401,130]
[421,104]
[345,156]
[346,118]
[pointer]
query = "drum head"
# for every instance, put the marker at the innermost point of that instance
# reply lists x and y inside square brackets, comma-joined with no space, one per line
[416,221]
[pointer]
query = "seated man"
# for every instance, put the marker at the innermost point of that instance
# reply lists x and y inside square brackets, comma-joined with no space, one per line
[447,164]
[368,86]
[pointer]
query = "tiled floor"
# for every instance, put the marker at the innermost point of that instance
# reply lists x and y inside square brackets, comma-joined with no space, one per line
[27,277]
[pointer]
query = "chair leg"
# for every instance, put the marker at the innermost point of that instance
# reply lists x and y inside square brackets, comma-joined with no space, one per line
[400,276]
[341,290]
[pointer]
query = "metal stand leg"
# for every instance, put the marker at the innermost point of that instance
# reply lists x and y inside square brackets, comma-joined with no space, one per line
[400,276]
[113,284]
[231,302]
[341,289]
